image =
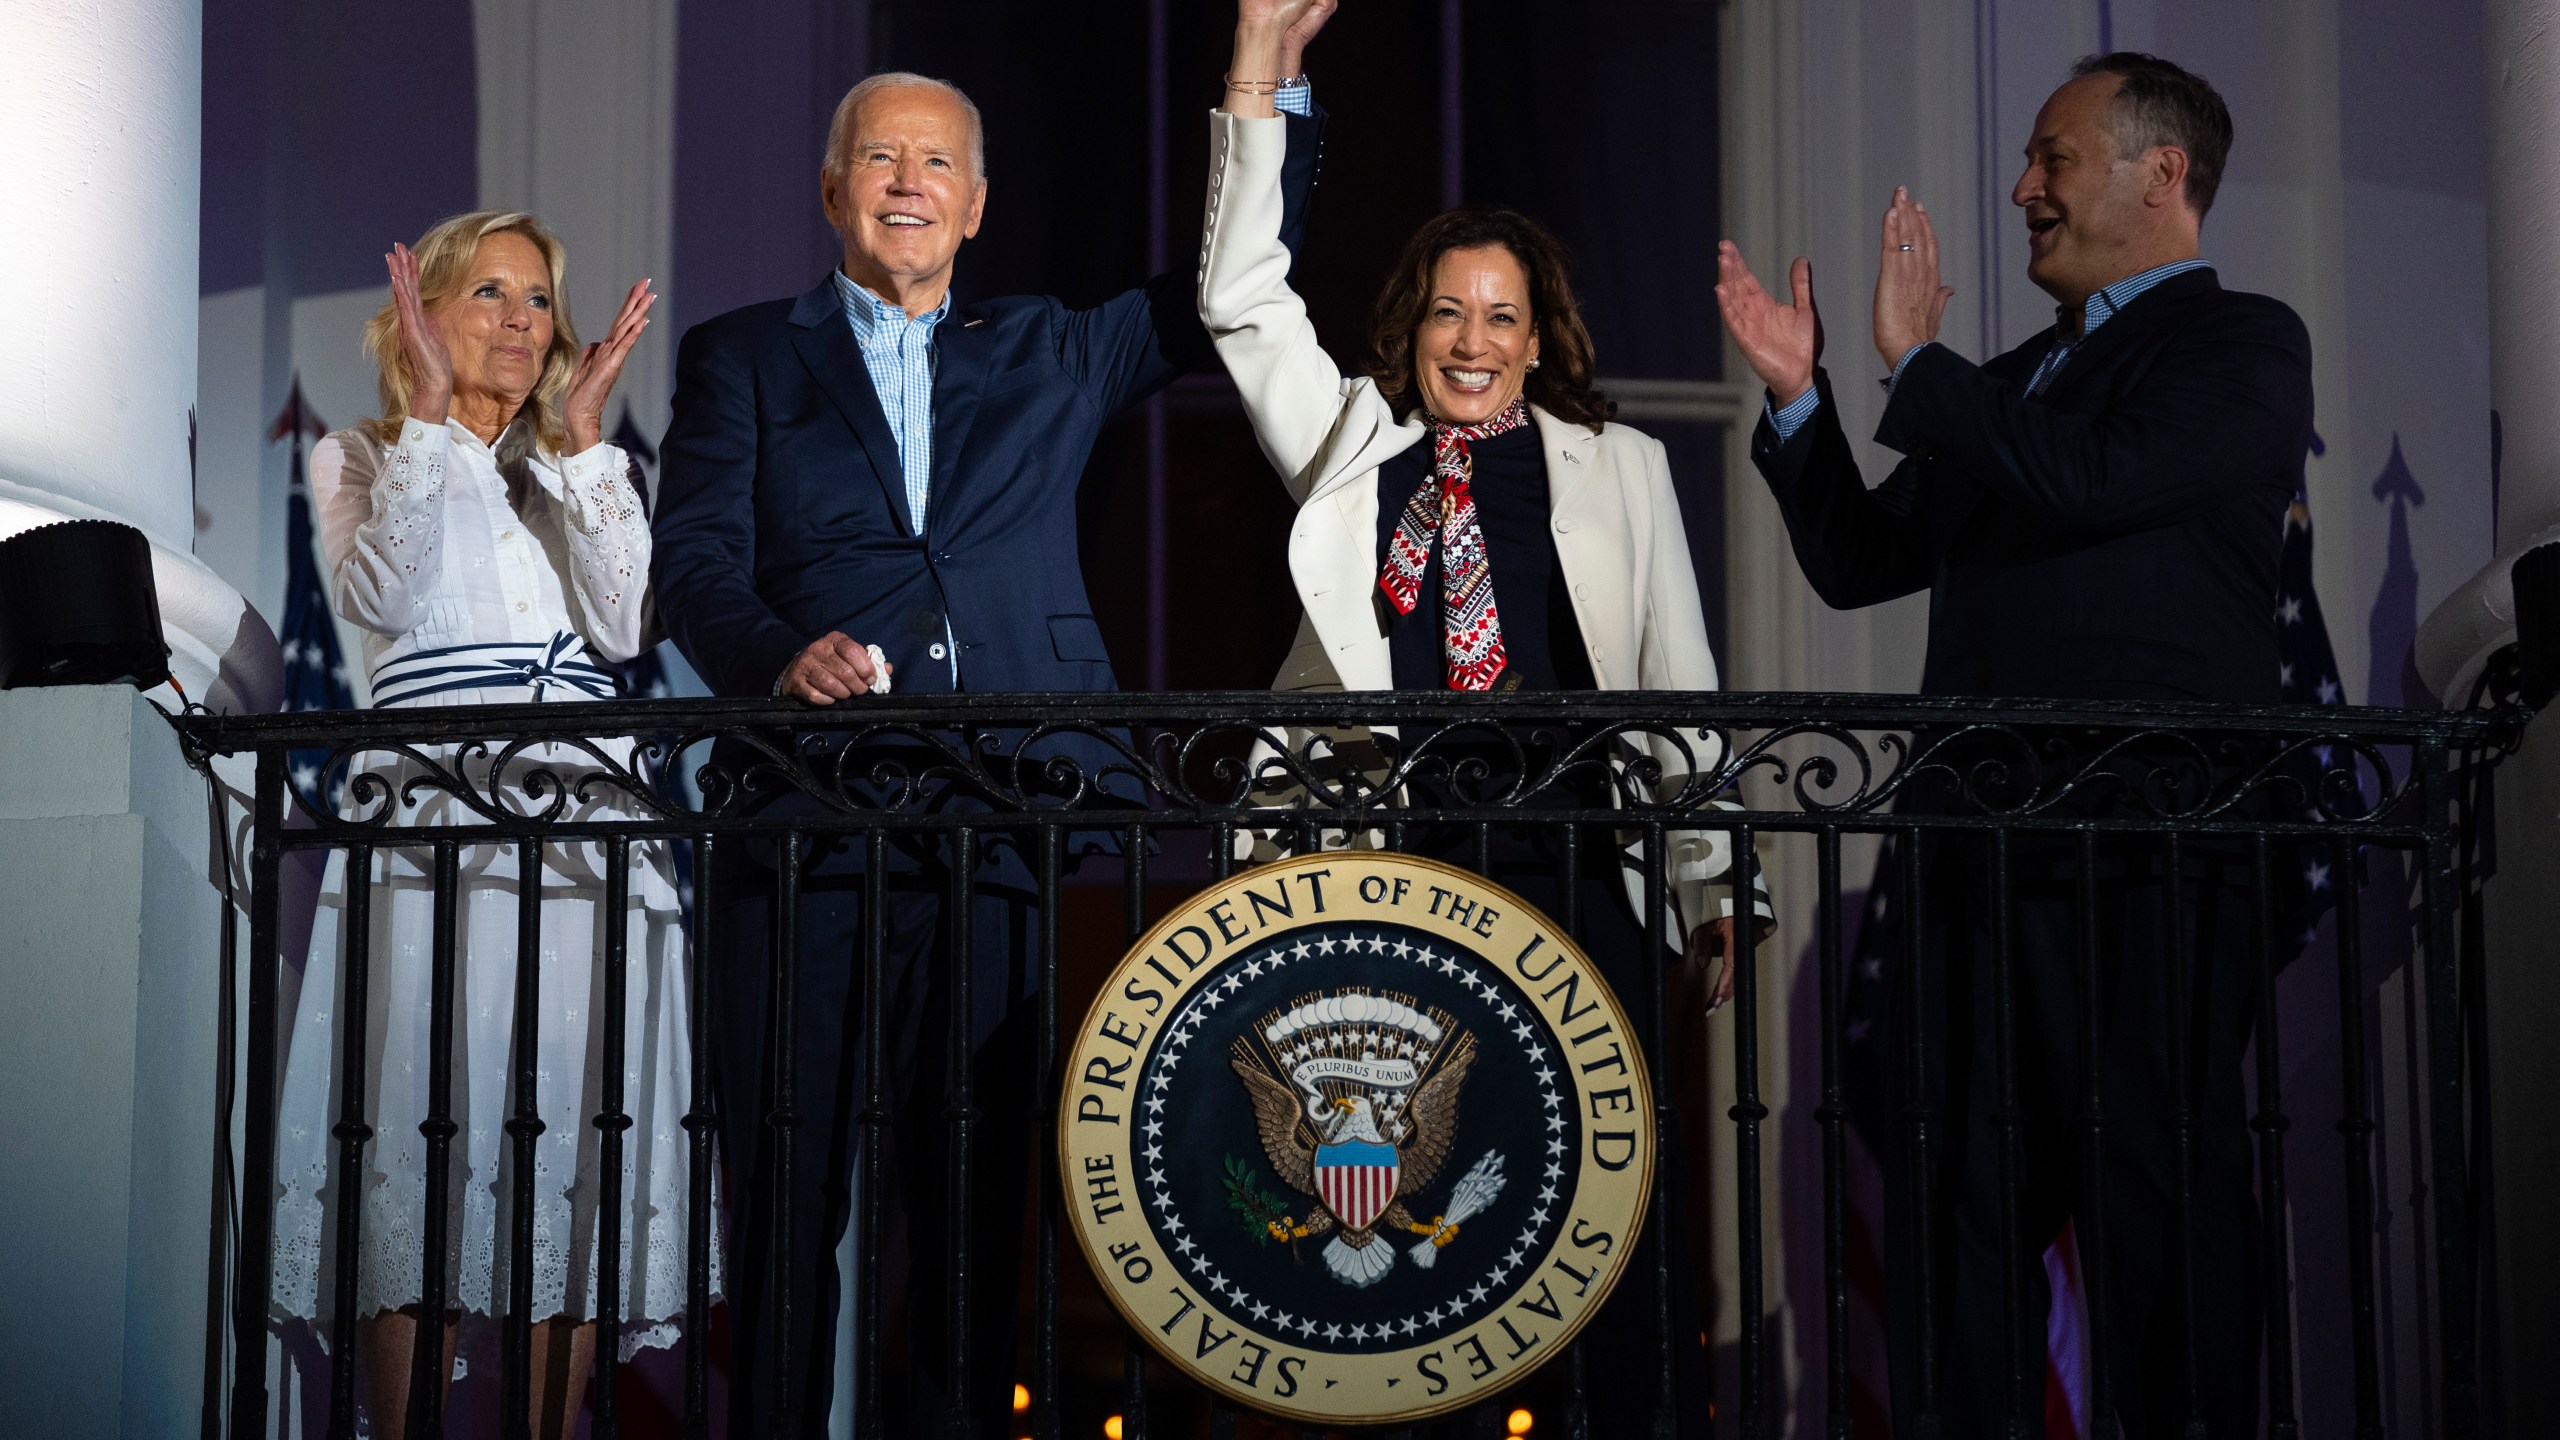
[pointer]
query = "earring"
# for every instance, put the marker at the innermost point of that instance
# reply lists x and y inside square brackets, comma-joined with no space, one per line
[1533,364]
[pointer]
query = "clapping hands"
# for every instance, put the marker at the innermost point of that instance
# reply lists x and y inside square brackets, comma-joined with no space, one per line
[422,345]
[1909,300]
[599,365]
[1781,343]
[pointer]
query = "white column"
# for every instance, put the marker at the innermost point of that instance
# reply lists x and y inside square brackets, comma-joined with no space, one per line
[2523,901]
[2524,335]
[100,121]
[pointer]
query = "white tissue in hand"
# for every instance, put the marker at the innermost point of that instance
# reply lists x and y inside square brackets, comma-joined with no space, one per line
[879,670]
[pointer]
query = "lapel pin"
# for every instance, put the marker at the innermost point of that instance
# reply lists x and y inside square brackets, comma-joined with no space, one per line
[971,324]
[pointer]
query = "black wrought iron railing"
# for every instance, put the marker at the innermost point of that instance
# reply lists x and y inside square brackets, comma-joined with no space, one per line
[1156,795]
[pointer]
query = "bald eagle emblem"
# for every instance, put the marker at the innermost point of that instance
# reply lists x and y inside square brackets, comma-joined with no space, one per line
[1361,1125]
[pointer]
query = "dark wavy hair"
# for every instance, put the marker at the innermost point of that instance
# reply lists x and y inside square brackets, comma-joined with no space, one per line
[2160,103]
[1562,383]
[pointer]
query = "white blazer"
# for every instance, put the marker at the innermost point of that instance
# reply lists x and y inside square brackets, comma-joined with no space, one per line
[1618,535]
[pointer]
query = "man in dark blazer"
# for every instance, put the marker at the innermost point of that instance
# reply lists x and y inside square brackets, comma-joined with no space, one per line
[2096,515]
[877,465]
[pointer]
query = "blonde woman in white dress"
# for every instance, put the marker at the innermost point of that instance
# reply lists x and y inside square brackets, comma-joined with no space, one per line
[493,551]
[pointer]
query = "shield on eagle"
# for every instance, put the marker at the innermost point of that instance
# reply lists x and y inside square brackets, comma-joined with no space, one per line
[1356,1180]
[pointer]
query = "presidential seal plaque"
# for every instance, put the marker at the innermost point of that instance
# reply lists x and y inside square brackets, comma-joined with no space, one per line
[1356,1138]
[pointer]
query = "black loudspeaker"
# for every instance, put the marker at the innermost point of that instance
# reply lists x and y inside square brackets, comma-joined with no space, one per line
[77,607]
[2536,576]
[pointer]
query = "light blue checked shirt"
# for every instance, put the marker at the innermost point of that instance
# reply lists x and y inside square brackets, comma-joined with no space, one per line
[898,351]
[2096,311]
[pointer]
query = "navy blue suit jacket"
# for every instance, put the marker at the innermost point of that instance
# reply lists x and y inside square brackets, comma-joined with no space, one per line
[2116,538]
[782,511]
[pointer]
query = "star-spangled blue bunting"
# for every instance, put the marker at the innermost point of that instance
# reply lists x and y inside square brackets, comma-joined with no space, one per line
[315,673]
[2306,674]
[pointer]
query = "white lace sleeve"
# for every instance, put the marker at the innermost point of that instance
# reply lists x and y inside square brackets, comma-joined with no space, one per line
[607,533]
[381,519]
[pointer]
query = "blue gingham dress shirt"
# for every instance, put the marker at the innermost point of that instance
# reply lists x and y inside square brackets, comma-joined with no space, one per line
[2096,311]
[898,351]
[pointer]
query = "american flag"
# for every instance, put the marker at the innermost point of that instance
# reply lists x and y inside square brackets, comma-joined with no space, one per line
[2307,675]
[315,674]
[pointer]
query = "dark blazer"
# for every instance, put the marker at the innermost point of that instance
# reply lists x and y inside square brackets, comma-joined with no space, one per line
[2116,538]
[782,512]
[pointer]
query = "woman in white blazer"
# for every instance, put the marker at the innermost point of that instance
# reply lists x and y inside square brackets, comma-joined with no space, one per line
[1477,346]
[1471,519]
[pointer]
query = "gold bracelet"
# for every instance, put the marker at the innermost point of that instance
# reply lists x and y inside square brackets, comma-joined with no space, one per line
[1253,87]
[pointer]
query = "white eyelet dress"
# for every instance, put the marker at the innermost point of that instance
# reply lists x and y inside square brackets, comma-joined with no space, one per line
[488,578]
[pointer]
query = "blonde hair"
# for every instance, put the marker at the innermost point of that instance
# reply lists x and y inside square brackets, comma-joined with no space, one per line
[444,266]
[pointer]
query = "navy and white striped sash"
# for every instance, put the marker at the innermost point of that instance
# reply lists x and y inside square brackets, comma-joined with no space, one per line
[561,662]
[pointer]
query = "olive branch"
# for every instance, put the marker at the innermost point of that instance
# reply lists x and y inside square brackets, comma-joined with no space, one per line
[1258,1209]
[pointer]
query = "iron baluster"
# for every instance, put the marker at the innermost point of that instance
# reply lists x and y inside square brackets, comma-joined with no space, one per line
[2355,1125]
[701,1119]
[523,1128]
[429,1370]
[612,1123]
[2270,1124]
[1833,1116]
[351,1132]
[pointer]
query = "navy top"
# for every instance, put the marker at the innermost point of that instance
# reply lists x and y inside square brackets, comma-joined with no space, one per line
[1541,640]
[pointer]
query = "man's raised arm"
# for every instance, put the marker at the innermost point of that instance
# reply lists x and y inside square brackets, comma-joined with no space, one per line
[1856,546]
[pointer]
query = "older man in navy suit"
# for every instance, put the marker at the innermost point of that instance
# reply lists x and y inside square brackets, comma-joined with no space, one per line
[877,465]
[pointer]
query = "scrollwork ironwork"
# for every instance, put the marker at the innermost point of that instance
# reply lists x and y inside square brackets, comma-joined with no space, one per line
[1345,761]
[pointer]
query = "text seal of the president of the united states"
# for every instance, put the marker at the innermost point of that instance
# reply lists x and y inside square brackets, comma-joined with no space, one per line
[1356,1138]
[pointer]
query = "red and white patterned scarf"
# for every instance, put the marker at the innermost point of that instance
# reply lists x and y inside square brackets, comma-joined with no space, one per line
[1470,623]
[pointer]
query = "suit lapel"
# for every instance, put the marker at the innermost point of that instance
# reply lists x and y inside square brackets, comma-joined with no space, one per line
[825,342]
[961,346]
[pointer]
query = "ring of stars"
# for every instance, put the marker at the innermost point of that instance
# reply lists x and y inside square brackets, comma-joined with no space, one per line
[1186,1023]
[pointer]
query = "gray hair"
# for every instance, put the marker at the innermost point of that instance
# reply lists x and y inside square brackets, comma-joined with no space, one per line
[838,142]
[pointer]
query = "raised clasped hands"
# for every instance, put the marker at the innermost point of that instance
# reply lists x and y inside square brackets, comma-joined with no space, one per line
[1271,42]
[1781,343]
[1910,301]
[1300,33]
[422,345]
[1297,21]
[599,366]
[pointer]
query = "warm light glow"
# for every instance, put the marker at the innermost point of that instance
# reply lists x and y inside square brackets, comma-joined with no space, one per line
[1021,1398]
[1111,1428]
[1520,1422]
